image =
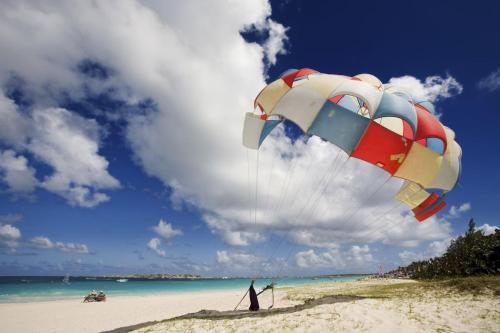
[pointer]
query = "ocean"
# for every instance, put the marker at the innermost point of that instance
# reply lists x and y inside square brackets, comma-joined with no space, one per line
[30,288]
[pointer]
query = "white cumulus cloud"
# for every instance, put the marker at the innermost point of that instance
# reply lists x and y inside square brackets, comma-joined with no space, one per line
[457,211]
[334,258]
[43,242]
[16,173]
[166,230]
[10,232]
[491,82]
[433,88]
[488,229]
[69,144]
[238,259]
[275,44]
[247,264]
[154,244]
[410,256]
[66,142]
[434,249]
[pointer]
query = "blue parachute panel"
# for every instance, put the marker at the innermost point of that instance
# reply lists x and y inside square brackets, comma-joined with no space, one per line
[350,103]
[339,126]
[436,144]
[268,127]
[395,106]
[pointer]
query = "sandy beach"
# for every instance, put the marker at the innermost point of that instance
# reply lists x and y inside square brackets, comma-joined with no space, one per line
[380,305]
[71,315]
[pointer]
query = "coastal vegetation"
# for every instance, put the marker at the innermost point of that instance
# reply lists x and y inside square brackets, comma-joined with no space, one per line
[472,254]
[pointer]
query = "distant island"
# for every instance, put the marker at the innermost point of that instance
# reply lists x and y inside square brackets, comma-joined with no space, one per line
[329,276]
[156,277]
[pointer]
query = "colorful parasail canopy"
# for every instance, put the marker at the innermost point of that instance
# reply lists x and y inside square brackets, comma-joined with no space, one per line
[370,121]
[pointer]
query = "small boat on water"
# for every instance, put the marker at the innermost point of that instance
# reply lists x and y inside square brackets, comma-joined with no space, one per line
[66,279]
[122,280]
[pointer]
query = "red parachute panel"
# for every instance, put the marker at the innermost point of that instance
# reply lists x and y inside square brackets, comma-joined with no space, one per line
[292,76]
[407,130]
[428,126]
[426,214]
[430,206]
[382,147]
[336,99]
[431,199]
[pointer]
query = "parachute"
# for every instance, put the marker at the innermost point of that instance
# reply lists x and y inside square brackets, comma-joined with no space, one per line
[379,124]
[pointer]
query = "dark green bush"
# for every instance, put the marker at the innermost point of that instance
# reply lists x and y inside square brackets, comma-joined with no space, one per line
[469,255]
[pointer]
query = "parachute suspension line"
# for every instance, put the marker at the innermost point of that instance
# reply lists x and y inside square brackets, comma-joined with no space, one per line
[268,184]
[248,186]
[379,220]
[323,184]
[298,183]
[265,208]
[284,191]
[284,188]
[252,215]
[379,215]
[241,300]
[296,194]
[331,176]
[250,194]
[360,203]
[392,208]
[289,254]
[288,183]
[336,167]
[256,187]
[256,263]
[340,166]
[284,184]
[267,205]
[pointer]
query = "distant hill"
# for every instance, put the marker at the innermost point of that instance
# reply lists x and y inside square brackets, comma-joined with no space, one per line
[469,255]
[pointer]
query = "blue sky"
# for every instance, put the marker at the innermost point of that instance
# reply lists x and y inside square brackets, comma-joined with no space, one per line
[121,125]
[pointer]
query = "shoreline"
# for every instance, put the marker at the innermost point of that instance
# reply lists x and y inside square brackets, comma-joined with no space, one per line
[7,298]
[72,315]
[48,299]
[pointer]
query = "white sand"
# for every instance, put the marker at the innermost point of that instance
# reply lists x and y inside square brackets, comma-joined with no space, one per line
[431,311]
[71,315]
[428,311]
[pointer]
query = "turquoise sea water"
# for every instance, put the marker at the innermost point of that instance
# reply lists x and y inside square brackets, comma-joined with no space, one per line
[21,289]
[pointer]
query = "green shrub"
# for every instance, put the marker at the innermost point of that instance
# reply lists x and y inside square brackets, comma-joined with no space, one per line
[469,255]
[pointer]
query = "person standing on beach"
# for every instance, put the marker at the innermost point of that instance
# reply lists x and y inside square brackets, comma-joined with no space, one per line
[254,301]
